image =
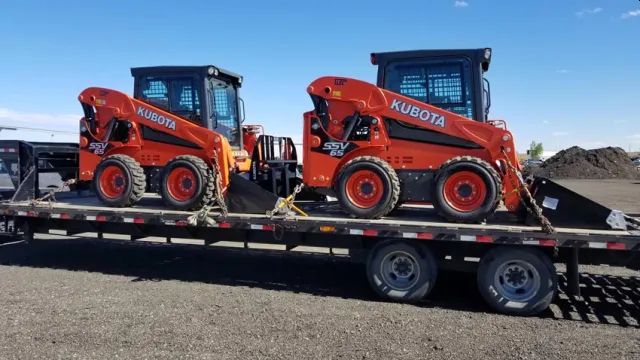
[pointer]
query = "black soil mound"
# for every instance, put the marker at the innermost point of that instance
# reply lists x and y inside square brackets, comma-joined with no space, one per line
[578,163]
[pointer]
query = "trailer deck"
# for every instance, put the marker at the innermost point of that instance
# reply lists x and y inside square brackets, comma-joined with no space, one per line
[326,219]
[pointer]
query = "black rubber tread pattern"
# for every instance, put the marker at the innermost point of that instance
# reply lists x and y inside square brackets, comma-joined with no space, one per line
[138,180]
[489,264]
[208,184]
[428,271]
[492,171]
[394,188]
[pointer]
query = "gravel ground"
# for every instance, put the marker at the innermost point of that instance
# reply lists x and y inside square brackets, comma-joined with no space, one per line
[84,298]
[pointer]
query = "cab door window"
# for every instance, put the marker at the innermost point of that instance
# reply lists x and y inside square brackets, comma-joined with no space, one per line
[179,96]
[442,83]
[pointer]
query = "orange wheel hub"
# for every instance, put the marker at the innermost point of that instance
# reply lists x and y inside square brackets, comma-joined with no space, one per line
[182,184]
[465,191]
[112,182]
[364,188]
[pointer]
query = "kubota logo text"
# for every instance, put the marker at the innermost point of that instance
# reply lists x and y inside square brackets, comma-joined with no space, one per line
[158,119]
[418,113]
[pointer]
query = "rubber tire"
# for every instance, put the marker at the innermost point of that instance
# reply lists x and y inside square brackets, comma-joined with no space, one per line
[424,258]
[205,183]
[491,180]
[391,183]
[135,179]
[540,261]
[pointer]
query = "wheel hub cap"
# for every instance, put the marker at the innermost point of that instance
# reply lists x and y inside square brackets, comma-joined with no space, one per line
[400,270]
[517,280]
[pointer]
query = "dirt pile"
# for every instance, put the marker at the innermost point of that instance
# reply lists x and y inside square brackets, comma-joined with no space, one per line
[578,163]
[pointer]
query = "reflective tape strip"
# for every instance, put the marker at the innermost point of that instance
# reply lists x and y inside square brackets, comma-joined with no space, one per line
[467,238]
[370,232]
[547,242]
[261,227]
[597,245]
[417,235]
[616,245]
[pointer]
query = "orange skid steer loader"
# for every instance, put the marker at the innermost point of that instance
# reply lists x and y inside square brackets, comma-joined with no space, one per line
[378,149]
[181,136]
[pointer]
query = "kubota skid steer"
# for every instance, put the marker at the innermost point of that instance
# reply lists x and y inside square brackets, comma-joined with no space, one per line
[181,136]
[422,135]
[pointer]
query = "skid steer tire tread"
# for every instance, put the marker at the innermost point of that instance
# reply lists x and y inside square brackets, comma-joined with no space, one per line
[136,179]
[452,217]
[393,183]
[207,183]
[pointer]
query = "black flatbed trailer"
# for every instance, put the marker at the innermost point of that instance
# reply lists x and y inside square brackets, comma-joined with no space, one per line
[421,242]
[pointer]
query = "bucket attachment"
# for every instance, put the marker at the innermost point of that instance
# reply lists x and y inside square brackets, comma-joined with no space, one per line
[245,196]
[566,208]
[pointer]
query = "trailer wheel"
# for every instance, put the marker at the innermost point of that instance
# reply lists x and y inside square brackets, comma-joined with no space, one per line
[119,181]
[401,271]
[517,281]
[367,187]
[187,183]
[467,189]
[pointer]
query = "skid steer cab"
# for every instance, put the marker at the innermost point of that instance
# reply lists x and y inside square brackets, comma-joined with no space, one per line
[421,135]
[180,135]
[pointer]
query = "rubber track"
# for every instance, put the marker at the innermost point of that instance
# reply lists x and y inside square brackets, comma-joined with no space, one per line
[395,182]
[209,180]
[488,167]
[138,178]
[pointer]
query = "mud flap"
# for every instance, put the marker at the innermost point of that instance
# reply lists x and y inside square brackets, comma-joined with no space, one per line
[566,208]
[245,196]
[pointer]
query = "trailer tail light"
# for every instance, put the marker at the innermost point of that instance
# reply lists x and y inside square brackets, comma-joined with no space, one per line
[327,229]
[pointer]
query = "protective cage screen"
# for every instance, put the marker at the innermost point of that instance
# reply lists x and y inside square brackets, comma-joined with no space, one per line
[440,84]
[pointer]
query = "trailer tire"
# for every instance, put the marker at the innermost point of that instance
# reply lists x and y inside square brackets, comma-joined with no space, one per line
[467,189]
[187,183]
[367,187]
[119,181]
[517,281]
[401,271]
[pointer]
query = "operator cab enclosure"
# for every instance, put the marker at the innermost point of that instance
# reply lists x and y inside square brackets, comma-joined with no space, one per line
[452,80]
[205,95]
